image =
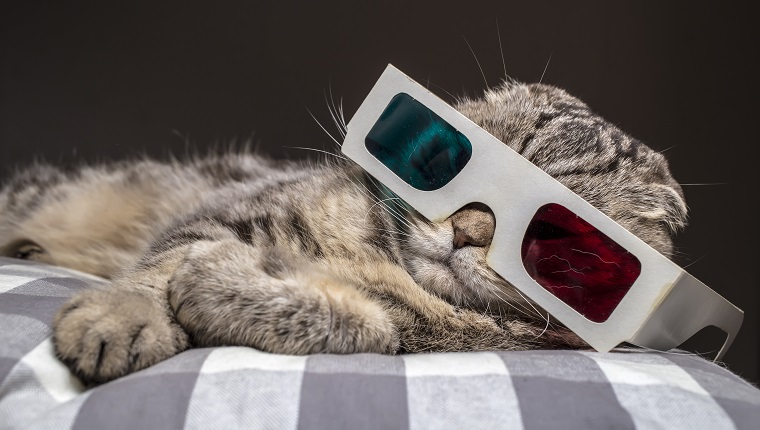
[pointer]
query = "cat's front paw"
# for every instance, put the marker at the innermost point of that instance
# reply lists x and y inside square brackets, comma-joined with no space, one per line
[104,334]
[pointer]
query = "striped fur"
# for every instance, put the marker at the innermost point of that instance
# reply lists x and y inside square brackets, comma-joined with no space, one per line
[300,258]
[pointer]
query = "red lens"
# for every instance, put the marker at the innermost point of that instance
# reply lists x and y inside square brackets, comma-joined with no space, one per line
[577,263]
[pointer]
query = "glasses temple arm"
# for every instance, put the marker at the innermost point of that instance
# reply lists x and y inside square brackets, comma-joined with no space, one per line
[687,308]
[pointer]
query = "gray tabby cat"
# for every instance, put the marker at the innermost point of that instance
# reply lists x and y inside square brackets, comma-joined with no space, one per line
[298,258]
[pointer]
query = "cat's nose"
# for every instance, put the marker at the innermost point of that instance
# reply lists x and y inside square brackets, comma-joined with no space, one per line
[473,226]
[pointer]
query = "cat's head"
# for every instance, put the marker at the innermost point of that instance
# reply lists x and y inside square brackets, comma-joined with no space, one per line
[622,177]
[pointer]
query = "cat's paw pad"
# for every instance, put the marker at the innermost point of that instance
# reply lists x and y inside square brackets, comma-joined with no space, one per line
[102,335]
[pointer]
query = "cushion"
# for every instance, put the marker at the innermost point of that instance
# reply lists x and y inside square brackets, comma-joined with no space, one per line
[235,387]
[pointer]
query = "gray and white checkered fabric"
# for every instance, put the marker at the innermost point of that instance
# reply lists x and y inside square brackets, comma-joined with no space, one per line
[243,388]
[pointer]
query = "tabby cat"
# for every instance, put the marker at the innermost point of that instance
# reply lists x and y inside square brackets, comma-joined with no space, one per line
[299,258]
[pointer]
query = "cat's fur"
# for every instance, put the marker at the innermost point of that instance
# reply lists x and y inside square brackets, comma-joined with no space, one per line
[302,258]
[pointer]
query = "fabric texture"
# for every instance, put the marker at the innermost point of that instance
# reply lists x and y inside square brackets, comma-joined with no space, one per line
[237,387]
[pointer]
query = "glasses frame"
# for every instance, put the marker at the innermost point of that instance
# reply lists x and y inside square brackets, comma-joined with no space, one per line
[664,307]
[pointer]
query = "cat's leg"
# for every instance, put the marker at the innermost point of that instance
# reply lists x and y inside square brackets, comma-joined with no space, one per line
[466,330]
[230,293]
[427,323]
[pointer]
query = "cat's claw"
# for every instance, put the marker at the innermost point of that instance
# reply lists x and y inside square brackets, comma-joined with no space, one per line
[105,334]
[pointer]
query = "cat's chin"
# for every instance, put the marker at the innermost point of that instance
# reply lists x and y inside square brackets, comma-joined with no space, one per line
[458,275]
[463,278]
[438,278]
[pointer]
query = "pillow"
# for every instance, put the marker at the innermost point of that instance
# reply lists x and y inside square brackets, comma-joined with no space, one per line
[241,387]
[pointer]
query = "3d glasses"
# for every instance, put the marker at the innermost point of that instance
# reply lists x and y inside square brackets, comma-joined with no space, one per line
[598,279]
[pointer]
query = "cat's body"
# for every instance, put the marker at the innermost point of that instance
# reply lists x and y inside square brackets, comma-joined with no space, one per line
[300,258]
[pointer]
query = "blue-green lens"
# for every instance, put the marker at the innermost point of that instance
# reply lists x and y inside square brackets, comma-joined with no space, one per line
[418,145]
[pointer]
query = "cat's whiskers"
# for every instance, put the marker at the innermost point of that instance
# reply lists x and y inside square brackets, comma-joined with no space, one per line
[535,310]
[379,202]
[393,212]
[488,311]
[512,304]
[394,232]
[546,327]
[334,114]
[453,97]
[694,262]
[390,211]
[342,117]
[545,68]
[318,150]
[399,217]
[323,128]
[476,61]
[667,149]
[501,50]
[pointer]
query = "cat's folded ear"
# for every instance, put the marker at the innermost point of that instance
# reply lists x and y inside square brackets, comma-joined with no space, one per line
[672,198]
[676,216]
[660,215]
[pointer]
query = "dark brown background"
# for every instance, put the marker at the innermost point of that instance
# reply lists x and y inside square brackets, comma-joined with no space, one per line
[91,82]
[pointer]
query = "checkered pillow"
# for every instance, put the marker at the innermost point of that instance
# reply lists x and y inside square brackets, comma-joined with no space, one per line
[240,387]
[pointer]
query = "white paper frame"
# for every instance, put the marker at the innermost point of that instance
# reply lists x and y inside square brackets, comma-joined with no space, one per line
[514,189]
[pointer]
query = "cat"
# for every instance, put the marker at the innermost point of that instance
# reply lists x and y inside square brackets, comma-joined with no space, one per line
[300,257]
